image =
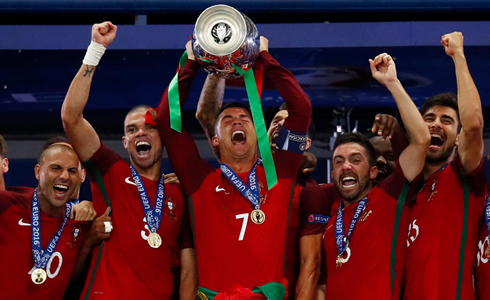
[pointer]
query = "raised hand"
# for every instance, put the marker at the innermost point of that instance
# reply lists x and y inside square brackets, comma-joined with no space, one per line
[383,69]
[453,43]
[385,125]
[104,33]
[190,52]
[264,44]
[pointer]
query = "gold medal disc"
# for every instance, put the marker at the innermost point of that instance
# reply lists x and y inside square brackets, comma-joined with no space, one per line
[38,276]
[257,216]
[154,240]
[487,252]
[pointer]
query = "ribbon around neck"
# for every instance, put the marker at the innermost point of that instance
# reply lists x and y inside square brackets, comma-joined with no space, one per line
[258,118]
[174,98]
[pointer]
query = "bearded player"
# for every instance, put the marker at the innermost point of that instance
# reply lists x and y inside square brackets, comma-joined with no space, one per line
[365,241]
[449,207]
[148,216]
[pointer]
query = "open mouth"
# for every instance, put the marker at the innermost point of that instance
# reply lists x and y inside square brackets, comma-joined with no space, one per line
[436,140]
[60,189]
[143,147]
[238,137]
[349,182]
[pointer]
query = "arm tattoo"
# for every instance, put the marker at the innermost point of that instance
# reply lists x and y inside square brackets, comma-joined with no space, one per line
[88,72]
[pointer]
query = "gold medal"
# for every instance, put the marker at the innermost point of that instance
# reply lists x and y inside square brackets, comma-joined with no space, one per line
[487,252]
[338,262]
[154,240]
[257,216]
[38,276]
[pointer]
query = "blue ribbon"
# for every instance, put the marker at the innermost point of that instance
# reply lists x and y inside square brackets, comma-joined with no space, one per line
[339,225]
[41,257]
[251,192]
[153,216]
[487,215]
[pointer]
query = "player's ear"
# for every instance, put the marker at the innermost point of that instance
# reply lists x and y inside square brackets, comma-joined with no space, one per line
[37,171]
[215,141]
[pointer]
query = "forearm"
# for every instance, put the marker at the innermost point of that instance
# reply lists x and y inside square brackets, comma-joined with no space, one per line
[412,158]
[188,275]
[469,103]
[414,123]
[299,105]
[210,103]
[181,148]
[81,260]
[82,136]
[307,281]
[77,96]
[310,255]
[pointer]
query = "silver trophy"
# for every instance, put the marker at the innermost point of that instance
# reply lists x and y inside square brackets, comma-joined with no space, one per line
[223,36]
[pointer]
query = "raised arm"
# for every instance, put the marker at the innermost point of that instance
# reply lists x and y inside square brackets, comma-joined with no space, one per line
[210,103]
[470,145]
[82,135]
[299,105]
[412,159]
[181,149]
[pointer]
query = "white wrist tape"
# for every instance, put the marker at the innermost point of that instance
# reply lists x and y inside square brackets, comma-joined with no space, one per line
[94,53]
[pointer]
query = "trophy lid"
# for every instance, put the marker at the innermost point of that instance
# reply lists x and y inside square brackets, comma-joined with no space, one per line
[220,30]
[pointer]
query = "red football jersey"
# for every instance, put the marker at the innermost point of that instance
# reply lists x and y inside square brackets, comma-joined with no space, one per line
[231,249]
[365,270]
[129,268]
[16,256]
[482,265]
[435,231]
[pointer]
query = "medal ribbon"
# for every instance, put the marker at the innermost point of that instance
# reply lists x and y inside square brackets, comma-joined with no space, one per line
[174,98]
[339,225]
[258,118]
[251,192]
[41,257]
[153,216]
[487,215]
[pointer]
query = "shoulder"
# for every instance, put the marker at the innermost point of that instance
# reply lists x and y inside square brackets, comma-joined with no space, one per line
[16,196]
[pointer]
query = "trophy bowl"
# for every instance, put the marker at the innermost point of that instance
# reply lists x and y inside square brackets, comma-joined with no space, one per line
[223,36]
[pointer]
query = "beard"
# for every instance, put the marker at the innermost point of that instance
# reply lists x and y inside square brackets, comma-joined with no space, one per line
[440,157]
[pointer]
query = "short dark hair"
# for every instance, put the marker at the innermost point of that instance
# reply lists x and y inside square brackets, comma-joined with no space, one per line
[443,99]
[3,147]
[358,138]
[231,105]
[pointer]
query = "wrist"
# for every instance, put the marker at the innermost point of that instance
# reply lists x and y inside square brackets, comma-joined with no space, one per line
[94,54]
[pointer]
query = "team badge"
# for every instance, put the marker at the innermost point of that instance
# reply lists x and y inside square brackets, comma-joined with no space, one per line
[365,215]
[433,190]
[339,261]
[170,209]
[262,197]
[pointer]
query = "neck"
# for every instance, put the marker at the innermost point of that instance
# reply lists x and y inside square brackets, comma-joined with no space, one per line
[53,212]
[241,166]
[431,168]
[152,173]
[347,202]
[2,186]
